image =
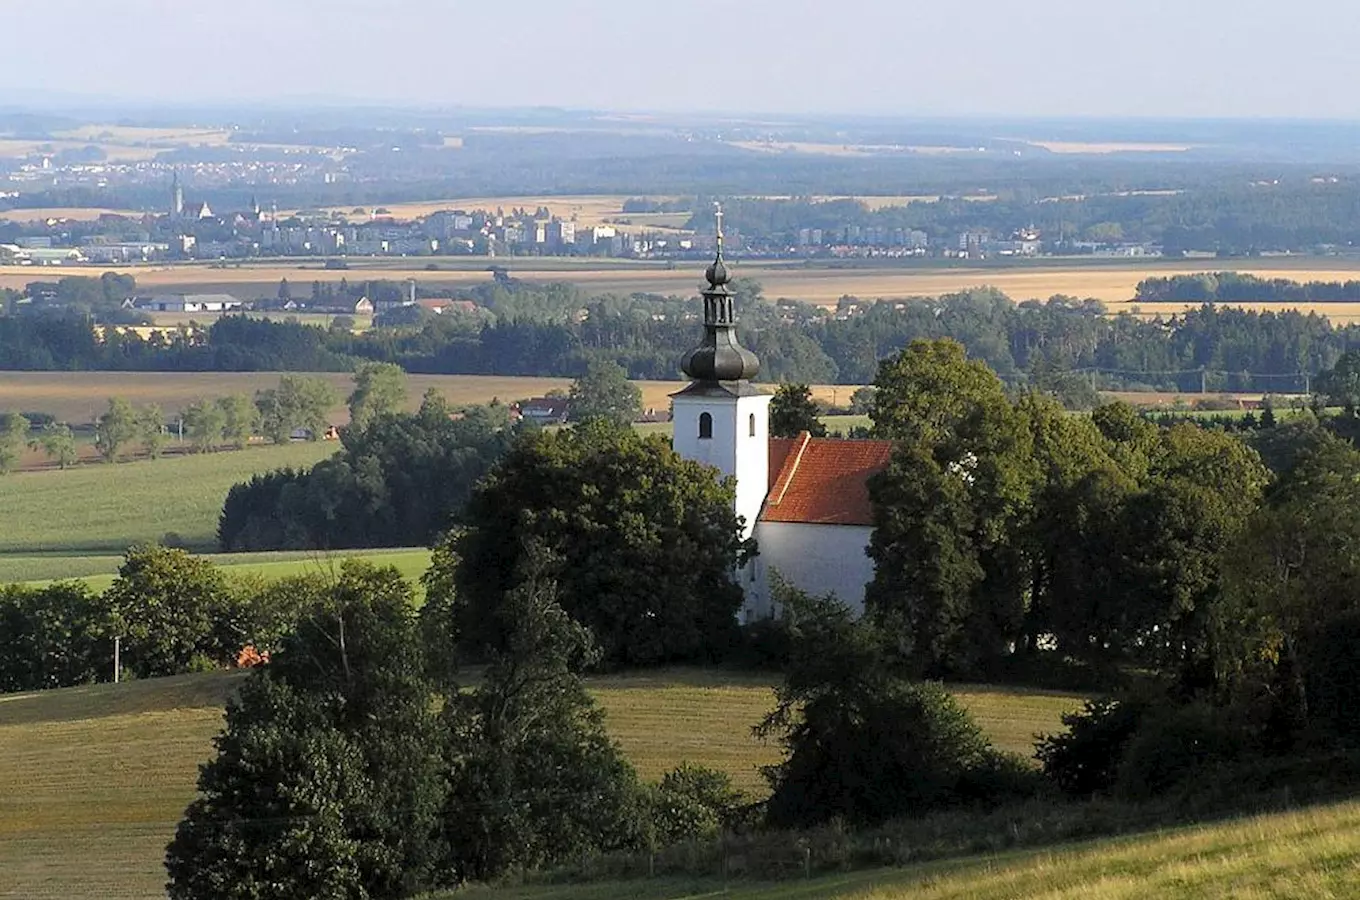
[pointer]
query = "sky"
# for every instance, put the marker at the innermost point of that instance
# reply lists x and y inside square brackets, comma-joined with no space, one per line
[1116,58]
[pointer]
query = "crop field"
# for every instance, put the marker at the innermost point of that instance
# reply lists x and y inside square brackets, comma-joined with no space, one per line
[1112,282]
[93,780]
[99,571]
[1312,853]
[81,397]
[101,509]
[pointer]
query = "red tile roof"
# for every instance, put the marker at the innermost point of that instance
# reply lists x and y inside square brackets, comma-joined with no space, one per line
[823,481]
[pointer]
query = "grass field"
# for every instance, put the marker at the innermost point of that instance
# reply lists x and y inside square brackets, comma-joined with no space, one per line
[1312,853]
[99,571]
[93,780]
[101,509]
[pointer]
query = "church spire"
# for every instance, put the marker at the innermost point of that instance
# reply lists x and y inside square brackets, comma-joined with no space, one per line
[720,357]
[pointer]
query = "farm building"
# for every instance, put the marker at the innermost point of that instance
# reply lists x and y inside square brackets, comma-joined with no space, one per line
[190,303]
[543,410]
[804,499]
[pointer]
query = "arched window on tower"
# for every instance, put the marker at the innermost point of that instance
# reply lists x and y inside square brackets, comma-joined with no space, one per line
[753,424]
[705,426]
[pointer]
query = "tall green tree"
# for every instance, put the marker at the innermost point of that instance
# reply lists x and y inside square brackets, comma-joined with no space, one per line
[173,610]
[239,418]
[379,389]
[151,430]
[793,411]
[535,778]
[327,780]
[116,428]
[604,392]
[57,441]
[13,439]
[205,424]
[300,402]
[645,542]
[1340,385]
[950,575]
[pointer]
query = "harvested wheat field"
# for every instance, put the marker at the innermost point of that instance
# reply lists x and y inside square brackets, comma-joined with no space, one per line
[94,779]
[80,397]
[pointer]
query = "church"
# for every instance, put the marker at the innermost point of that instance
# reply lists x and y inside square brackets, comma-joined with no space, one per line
[805,500]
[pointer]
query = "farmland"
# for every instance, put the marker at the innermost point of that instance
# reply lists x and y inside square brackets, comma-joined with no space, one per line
[101,509]
[1110,281]
[93,779]
[80,397]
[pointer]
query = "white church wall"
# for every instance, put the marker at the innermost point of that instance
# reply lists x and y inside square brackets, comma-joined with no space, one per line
[733,449]
[816,559]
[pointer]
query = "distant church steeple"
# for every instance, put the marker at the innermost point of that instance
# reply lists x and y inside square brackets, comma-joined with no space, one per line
[720,356]
[176,197]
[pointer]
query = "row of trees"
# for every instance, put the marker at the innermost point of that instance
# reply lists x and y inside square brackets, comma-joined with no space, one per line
[535,330]
[173,612]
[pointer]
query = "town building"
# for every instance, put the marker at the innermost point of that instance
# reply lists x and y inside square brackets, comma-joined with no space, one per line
[805,500]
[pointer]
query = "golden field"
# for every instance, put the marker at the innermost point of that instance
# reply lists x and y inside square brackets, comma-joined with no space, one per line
[80,397]
[93,779]
[1113,284]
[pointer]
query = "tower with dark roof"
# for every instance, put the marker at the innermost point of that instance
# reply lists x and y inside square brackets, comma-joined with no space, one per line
[721,418]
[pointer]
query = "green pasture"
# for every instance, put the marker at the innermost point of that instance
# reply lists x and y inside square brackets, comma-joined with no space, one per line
[93,779]
[101,508]
[99,571]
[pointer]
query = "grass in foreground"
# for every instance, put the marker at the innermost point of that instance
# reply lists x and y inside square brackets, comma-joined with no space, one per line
[1310,853]
[105,508]
[93,779]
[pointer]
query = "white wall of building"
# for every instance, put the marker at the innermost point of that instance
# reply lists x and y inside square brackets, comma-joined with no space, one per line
[740,445]
[817,559]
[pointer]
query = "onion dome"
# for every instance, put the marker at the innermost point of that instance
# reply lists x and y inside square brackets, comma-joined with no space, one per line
[720,356]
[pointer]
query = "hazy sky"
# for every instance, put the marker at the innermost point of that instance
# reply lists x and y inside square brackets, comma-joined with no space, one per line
[1022,57]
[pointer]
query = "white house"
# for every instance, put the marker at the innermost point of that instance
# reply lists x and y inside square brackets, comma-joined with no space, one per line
[804,499]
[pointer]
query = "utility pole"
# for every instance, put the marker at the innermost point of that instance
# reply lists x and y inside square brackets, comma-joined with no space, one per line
[117,658]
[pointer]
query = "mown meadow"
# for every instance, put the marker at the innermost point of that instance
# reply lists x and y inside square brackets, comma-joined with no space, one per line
[94,779]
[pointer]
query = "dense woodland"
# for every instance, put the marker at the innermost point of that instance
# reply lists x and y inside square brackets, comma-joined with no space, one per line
[557,329]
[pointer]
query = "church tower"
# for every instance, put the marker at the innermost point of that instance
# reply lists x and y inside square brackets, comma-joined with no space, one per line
[721,419]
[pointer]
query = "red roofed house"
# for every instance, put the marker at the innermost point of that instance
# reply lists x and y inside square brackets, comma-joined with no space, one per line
[804,499]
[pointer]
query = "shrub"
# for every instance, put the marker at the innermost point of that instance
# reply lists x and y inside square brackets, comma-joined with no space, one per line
[1172,747]
[1085,759]
[1331,665]
[901,748]
[692,803]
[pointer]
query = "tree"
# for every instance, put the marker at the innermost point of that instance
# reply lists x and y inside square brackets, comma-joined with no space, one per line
[239,418]
[57,441]
[151,428]
[950,578]
[1340,384]
[13,438]
[604,392]
[792,411]
[205,423]
[285,291]
[300,402]
[644,542]
[52,636]
[860,742]
[379,390]
[862,401]
[115,428]
[173,611]
[327,778]
[535,778]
